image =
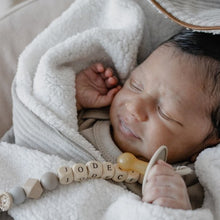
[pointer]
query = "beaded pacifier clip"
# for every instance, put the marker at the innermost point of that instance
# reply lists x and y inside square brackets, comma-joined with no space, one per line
[128,169]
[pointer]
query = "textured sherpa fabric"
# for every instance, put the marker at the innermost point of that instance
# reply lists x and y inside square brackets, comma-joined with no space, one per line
[119,33]
[97,199]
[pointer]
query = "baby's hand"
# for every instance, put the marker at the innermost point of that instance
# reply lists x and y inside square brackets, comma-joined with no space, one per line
[166,188]
[95,87]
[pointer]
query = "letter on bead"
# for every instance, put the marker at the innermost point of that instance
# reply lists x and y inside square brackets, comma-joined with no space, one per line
[120,175]
[94,169]
[65,175]
[80,171]
[107,170]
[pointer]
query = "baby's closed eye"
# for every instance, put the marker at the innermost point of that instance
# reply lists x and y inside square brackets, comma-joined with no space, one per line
[166,116]
[135,85]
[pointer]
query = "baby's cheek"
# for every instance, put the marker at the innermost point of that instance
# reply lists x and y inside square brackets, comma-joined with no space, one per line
[153,139]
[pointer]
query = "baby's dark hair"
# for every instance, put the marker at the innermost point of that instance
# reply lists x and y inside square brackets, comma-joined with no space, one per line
[205,47]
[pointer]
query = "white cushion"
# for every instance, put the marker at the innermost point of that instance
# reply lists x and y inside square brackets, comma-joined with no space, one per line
[17,29]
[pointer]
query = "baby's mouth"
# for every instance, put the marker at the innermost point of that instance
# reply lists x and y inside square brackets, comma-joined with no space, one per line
[126,130]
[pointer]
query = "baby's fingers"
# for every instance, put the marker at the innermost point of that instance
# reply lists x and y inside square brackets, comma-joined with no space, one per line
[106,74]
[111,82]
[105,100]
[167,202]
[158,187]
[153,194]
[98,68]
[109,78]
[113,92]
[183,203]
[161,168]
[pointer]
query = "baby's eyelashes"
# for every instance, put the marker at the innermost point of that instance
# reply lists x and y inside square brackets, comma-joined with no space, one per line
[168,118]
[135,85]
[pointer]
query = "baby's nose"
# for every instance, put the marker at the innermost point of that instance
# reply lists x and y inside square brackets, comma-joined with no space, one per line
[137,110]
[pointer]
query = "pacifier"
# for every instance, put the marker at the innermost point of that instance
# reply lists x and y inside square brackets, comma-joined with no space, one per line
[129,162]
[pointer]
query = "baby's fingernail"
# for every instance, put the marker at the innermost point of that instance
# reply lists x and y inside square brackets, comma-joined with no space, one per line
[100,67]
[161,162]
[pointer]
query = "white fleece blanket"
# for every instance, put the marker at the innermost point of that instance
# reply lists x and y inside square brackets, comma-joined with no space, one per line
[97,199]
[117,33]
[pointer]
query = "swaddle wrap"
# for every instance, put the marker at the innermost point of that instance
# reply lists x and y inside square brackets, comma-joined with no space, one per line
[119,34]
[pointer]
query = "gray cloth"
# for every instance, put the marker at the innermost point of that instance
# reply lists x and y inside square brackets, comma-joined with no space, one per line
[8,136]
[32,132]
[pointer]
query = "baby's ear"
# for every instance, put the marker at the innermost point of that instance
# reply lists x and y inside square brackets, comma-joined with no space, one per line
[213,141]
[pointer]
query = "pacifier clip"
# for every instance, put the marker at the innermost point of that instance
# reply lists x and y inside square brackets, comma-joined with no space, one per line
[128,169]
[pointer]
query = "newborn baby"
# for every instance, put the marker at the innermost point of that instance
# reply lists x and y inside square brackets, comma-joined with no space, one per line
[170,99]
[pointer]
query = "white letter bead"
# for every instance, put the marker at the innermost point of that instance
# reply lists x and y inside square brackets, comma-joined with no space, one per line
[120,175]
[33,188]
[65,175]
[94,169]
[80,172]
[132,177]
[5,201]
[107,170]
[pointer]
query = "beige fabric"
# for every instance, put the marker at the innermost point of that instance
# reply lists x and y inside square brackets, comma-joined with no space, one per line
[5,5]
[17,29]
[94,125]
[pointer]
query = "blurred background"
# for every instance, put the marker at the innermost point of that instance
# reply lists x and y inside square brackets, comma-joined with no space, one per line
[5,5]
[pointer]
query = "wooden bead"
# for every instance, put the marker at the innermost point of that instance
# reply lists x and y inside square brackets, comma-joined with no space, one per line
[119,175]
[94,169]
[18,195]
[49,181]
[80,172]
[132,177]
[5,201]
[108,170]
[65,175]
[33,188]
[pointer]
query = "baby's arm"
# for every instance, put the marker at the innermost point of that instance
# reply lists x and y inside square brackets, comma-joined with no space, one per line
[166,188]
[95,87]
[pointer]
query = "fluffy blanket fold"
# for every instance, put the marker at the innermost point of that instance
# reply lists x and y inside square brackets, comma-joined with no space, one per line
[118,33]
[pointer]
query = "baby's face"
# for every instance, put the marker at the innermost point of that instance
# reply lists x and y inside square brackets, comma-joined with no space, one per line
[161,103]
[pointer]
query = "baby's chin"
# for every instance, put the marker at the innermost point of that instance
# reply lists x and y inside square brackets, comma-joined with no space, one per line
[142,158]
